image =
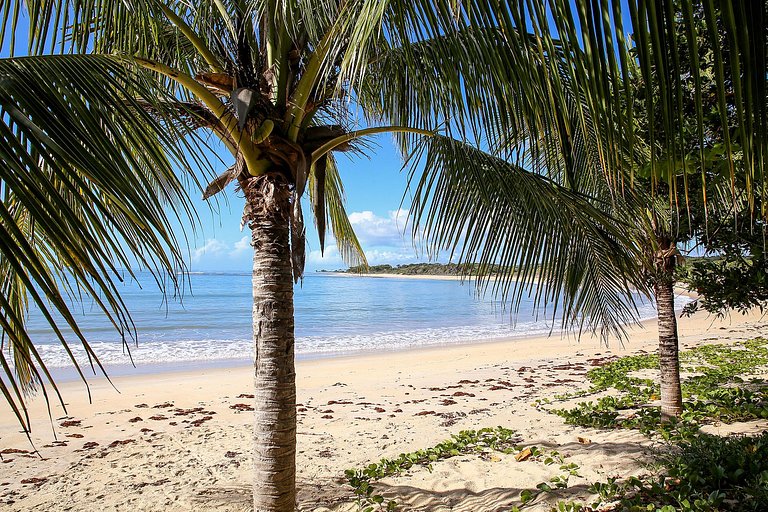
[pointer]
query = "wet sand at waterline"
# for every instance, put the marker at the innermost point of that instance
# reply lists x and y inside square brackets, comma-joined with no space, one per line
[181,441]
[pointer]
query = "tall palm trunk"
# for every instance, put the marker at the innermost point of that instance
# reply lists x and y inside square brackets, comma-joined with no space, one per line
[268,215]
[669,363]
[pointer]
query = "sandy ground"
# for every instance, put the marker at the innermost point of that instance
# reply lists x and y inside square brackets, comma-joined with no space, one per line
[181,441]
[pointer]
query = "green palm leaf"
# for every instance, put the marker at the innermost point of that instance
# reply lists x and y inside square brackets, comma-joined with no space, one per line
[485,210]
[87,176]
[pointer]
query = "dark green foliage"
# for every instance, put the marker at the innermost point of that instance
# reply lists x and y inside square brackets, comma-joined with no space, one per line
[426,269]
[732,232]
[699,170]
[736,468]
[729,283]
[707,473]
[737,279]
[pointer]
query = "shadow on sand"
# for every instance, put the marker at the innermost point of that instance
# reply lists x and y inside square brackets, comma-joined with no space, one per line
[335,494]
[314,495]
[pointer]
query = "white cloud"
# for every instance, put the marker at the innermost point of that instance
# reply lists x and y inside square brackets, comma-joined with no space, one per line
[241,247]
[331,260]
[392,257]
[212,247]
[331,257]
[375,231]
[217,254]
[385,239]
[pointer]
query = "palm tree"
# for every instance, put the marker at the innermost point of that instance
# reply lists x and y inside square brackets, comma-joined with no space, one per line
[648,220]
[700,85]
[664,255]
[689,131]
[279,84]
[275,85]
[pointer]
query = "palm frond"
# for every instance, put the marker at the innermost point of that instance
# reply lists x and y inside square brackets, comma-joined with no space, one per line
[501,87]
[488,211]
[346,240]
[89,190]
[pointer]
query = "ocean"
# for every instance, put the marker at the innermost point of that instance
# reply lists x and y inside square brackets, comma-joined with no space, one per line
[335,315]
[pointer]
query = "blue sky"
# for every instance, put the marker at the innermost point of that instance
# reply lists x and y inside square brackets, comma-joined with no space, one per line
[374,185]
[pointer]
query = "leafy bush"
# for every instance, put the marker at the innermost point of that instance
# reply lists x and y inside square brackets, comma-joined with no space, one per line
[706,473]
[734,469]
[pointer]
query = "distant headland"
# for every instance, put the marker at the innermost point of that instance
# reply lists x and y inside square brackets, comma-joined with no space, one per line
[422,269]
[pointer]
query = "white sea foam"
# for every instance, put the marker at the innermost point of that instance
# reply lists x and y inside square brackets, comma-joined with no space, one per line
[166,352]
[158,352]
[333,316]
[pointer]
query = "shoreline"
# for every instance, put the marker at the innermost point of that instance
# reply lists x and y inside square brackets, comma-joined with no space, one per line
[64,374]
[69,374]
[435,277]
[644,334]
[181,441]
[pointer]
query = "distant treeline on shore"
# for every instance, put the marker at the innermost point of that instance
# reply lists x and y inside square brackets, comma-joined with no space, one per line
[424,269]
[453,269]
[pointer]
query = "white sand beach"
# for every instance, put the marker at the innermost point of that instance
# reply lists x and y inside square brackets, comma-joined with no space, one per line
[181,441]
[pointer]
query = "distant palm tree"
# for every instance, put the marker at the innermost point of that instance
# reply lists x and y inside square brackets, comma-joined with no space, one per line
[684,132]
[281,84]
[699,93]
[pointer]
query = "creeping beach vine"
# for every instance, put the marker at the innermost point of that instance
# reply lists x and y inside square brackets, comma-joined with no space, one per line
[498,439]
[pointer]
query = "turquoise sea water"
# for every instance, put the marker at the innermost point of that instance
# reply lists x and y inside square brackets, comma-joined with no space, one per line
[334,315]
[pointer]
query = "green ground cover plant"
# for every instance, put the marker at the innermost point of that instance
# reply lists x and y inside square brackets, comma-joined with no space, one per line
[483,441]
[695,472]
[362,480]
[721,385]
[706,473]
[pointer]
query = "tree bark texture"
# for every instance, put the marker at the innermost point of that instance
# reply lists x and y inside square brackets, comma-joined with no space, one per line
[669,363]
[267,213]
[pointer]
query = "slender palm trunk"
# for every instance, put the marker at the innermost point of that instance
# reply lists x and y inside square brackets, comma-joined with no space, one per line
[267,213]
[669,363]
